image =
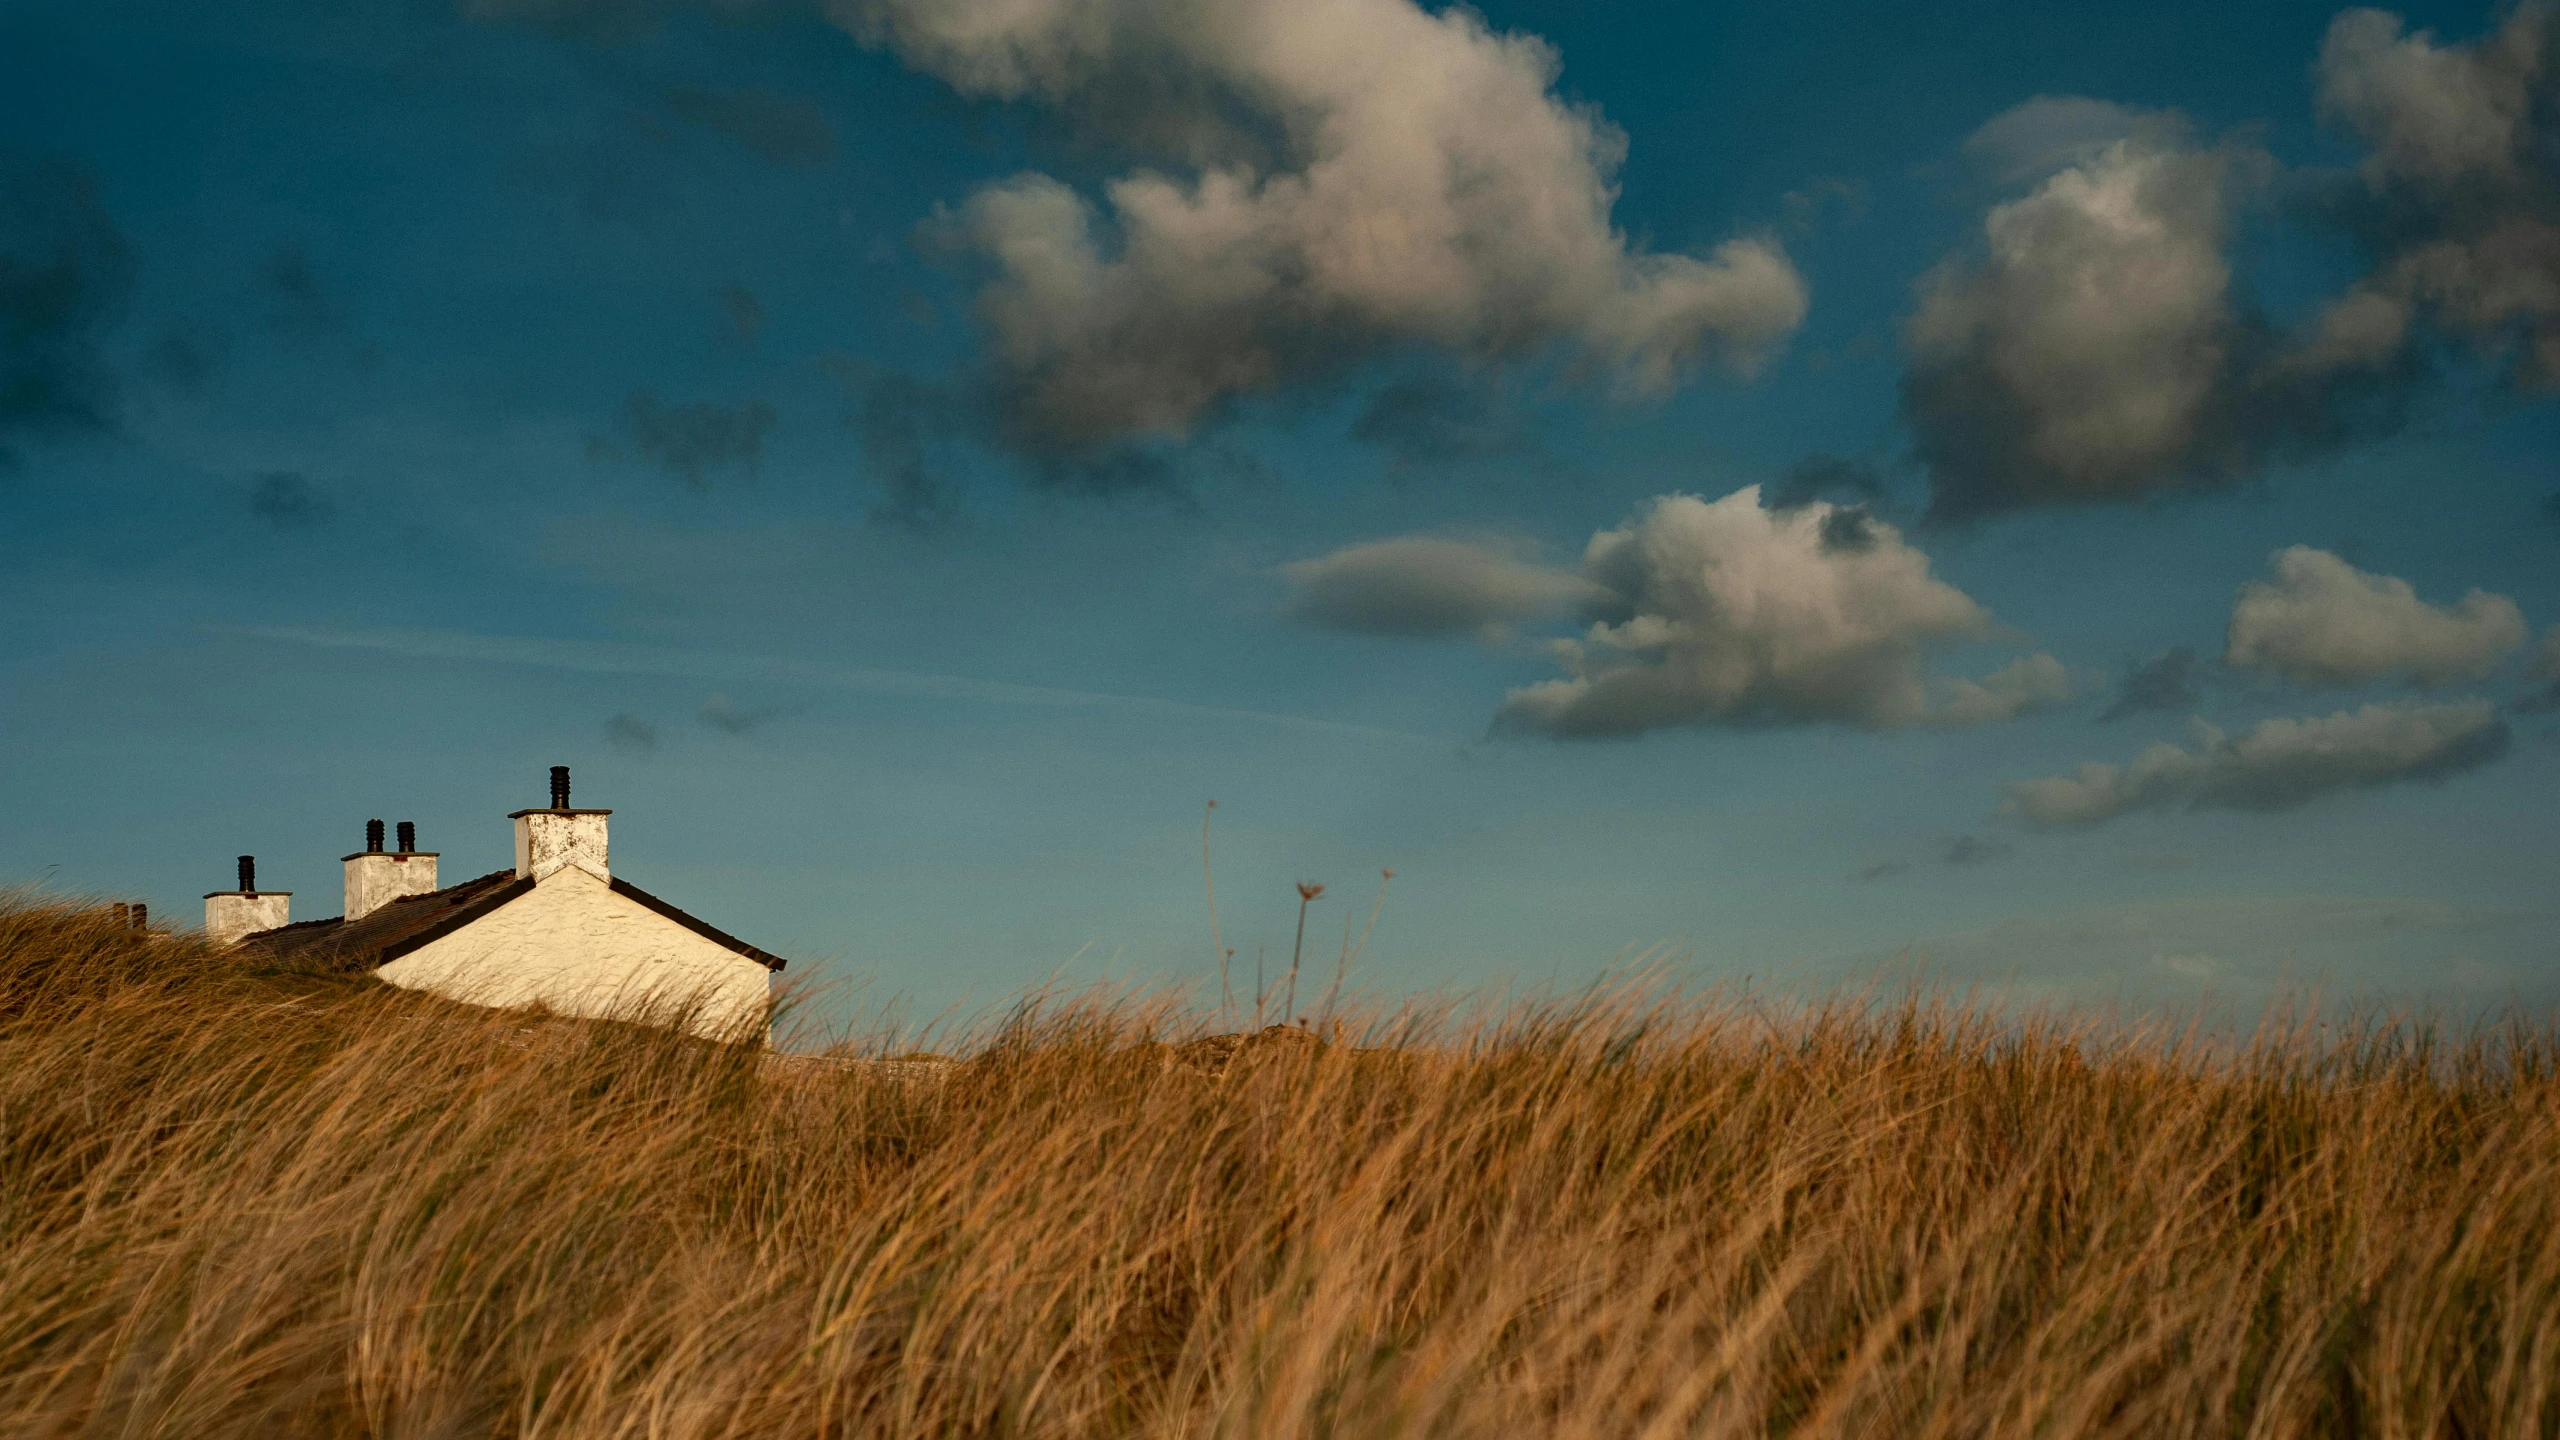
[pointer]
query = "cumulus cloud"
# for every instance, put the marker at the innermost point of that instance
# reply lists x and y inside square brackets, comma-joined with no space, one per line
[1324,183]
[1426,585]
[2049,133]
[692,441]
[2321,621]
[2166,681]
[2280,764]
[2462,186]
[1730,612]
[2095,349]
[65,276]
[2022,687]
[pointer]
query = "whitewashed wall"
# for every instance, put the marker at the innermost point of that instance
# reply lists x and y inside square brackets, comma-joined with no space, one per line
[377,878]
[228,915]
[577,948]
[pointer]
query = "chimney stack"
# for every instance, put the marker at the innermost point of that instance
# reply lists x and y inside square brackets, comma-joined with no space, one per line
[231,914]
[375,879]
[549,840]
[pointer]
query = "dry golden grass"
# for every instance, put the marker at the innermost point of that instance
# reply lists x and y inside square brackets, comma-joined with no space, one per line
[280,1206]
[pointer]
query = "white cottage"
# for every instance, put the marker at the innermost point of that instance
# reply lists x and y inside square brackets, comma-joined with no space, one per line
[558,931]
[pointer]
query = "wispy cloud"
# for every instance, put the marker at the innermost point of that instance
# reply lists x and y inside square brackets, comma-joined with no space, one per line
[632,734]
[604,657]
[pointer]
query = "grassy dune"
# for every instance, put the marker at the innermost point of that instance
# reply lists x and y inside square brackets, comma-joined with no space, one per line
[283,1206]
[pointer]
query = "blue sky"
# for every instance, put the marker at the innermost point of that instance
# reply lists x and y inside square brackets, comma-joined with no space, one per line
[908,458]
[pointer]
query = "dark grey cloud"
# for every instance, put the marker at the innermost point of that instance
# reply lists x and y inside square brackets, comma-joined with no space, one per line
[2543,675]
[777,129]
[1854,484]
[2166,681]
[1432,420]
[1430,586]
[1974,850]
[187,359]
[297,303]
[624,171]
[631,735]
[2460,189]
[692,441]
[905,427]
[741,314]
[2320,621]
[289,501]
[66,275]
[2279,765]
[2095,349]
[1117,471]
[722,714]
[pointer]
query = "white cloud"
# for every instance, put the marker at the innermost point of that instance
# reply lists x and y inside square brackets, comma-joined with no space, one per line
[2091,352]
[2035,682]
[2095,347]
[1729,612]
[1429,585]
[1332,179]
[2031,141]
[2324,622]
[2278,765]
[2435,115]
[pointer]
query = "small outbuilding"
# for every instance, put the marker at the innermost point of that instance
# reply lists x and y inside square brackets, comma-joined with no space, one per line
[558,931]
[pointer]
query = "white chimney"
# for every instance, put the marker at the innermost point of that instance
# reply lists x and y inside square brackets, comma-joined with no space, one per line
[375,879]
[549,840]
[231,914]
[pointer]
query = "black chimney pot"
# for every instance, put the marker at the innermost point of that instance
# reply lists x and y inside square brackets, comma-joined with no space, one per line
[559,787]
[408,836]
[373,837]
[248,874]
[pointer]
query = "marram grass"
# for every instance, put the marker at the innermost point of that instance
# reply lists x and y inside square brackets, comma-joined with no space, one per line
[277,1206]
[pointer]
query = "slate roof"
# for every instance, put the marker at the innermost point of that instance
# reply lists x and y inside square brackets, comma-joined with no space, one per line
[405,924]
